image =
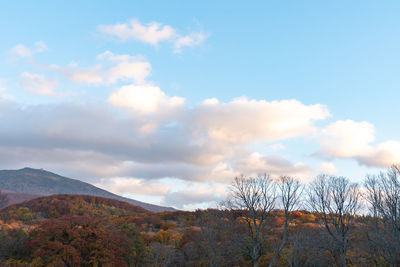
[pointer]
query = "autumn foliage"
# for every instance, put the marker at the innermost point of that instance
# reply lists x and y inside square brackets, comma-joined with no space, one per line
[71,230]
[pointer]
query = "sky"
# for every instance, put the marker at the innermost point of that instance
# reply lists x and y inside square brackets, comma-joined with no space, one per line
[167,101]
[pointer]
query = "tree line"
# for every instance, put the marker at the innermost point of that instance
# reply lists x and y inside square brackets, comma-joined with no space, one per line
[265,221]
[335,200]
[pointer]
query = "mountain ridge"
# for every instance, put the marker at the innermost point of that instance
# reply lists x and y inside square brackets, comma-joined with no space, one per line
[43,183]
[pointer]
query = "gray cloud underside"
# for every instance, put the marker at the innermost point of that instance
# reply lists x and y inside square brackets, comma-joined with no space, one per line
[90,142]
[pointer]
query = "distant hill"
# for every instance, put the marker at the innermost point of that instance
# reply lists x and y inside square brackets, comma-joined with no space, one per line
[55,206]
[14,197]
[40,182]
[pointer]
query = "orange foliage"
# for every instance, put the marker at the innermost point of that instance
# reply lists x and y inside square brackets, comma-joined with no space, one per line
[78,241]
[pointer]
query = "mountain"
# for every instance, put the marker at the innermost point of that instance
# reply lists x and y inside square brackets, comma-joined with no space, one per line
[14,197]
[40,182]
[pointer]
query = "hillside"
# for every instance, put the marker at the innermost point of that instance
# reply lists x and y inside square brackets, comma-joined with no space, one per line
[15,198]
[70,205]
[82,230]
[71,230]
[41,182]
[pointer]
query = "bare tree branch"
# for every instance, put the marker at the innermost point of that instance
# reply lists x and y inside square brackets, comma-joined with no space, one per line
[289,195]
[257,198]
[383,195]
[336,201]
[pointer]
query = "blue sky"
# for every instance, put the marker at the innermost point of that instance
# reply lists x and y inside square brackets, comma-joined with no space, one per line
[343,56]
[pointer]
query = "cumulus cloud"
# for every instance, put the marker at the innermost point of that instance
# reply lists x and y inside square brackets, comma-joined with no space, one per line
[92,141]
[103,130]
[229,165]
[38,84]
[382,155]
[145,99]
[351,139]
[327,168]
[190,198]
[111,68]
[143,133]
[148,103]
[23,51]
[105,142]
[347,138]
[243,120]
[152,33]
[254,163]
[122,185]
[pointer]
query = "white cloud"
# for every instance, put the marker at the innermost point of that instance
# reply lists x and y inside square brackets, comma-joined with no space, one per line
[327,168]
[192,197]
[149,104]
[151,135]
[38,84]
[190,40]
[126,68]
[382,155]
[111,69]
[254,163]
[23,51]
[243,120]
[263,121]
[107,142]
[145,99]
[347,138]
[350,139]
[152,33]
[122,185]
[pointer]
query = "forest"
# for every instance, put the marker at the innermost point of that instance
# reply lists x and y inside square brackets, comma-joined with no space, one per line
[264,222]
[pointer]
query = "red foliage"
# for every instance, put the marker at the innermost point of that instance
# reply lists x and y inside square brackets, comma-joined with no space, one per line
[277,221]
[78,241]
[73,205]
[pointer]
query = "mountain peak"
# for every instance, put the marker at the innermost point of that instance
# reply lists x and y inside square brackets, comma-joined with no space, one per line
[29,169]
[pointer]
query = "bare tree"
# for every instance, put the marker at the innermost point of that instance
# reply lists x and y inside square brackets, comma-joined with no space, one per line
[336,201]
[383,195]
[256,198]
[289,195]
[209,231]
[160,255]
[3,199]
[308,247]
[218,237]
